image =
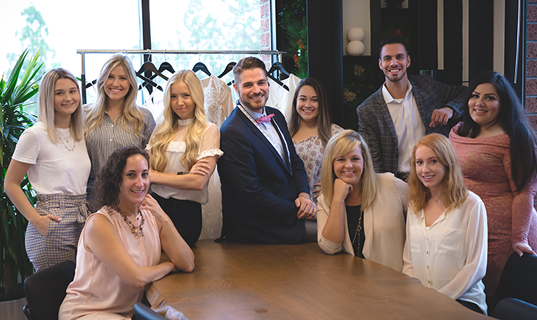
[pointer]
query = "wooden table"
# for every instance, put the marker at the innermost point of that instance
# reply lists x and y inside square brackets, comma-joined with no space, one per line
[238,281]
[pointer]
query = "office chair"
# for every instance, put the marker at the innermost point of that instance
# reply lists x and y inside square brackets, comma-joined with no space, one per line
[45,291]
[143,312]
[514,309]
[518,280]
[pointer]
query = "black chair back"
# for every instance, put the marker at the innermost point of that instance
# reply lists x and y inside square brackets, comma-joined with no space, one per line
[514,309]
[45,291]
[519,280]
[143,312]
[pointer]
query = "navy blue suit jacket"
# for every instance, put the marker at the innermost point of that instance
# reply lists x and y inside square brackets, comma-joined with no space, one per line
[258,189]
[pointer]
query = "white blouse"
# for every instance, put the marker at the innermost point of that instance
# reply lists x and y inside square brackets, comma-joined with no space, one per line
[384,224]
[209,146]
[450,255]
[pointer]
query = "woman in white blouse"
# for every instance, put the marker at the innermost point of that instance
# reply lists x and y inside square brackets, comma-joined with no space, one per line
[184,149]
[446,237]
[53,154]
[359,211]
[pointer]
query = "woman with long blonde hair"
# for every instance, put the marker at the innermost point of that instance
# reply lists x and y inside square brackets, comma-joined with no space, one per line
[446,229]
[359,211]
[184,149]
[53,154]
[114,120]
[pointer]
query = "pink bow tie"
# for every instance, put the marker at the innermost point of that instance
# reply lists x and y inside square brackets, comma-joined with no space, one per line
[265,119]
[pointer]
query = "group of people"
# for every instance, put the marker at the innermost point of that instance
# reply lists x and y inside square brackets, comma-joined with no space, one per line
[400,193]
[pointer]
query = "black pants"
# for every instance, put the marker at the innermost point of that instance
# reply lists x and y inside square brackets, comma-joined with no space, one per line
[471,306]
[185,215]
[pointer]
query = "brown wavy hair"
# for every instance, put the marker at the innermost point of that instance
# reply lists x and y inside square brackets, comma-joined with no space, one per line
[110,177]
[455,192]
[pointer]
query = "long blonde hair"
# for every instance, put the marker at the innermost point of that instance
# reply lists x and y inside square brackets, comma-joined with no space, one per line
[454,193]
[167,129]
[46,105]
[131,116]
[338,146]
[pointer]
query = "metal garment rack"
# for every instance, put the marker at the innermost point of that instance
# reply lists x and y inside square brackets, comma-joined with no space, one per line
[83,53]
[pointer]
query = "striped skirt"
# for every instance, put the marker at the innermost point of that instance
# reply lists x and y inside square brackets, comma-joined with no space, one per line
[61,240]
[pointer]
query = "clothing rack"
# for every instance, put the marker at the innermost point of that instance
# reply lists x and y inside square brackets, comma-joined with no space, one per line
[83,53]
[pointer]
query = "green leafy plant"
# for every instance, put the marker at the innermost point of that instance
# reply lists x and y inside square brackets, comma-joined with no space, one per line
[20,87]
[294,24]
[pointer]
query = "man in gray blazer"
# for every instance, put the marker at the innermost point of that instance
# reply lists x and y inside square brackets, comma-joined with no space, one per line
[406,108]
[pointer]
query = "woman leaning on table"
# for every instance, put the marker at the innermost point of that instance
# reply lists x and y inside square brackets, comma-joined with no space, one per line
[311,129]
[359,211]
[120,247]
[53,154]
[496,148]
[446,229]
[114,120]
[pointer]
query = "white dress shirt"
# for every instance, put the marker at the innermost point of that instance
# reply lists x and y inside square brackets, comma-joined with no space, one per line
[450,255]
[409,127]
[268,130]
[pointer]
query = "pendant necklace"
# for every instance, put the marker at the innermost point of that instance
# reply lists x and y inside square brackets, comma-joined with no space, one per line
[136,231]
[60,135]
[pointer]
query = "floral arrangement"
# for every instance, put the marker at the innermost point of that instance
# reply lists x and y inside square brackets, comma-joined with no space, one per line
[357,85]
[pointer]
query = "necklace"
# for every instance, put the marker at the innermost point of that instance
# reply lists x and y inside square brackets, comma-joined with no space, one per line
[136,231]
[66,141]
[358,229]
[436,201]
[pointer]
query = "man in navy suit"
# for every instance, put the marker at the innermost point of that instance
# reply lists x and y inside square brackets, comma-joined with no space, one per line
[265,192]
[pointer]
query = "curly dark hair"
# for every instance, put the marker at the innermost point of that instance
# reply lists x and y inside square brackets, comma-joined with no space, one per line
[110,177]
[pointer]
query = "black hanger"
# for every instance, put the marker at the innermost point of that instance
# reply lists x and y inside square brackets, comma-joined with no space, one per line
[149,66]
[89,84]
[278,82]
[166,66]
[201,66]
[228,68]
[278,66]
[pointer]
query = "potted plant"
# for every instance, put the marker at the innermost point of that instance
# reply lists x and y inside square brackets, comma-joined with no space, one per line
[16,92]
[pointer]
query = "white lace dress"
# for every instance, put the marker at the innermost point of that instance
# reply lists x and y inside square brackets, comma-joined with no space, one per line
[218,105]
[218,100]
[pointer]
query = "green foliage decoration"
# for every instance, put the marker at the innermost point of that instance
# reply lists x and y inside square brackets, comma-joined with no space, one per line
[294,24]
[15,93]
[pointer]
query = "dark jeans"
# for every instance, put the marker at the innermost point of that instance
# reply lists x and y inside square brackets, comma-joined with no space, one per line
[185,215]
[471,306]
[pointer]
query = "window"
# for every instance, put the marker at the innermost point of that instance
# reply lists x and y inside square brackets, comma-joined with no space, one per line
[59,27]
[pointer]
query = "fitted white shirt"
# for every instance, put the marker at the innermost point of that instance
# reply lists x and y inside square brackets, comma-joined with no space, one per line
[450,255]
[53,168]
[408,124]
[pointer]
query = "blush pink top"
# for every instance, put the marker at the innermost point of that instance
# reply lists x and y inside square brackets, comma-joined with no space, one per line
[486,169]
[97,292]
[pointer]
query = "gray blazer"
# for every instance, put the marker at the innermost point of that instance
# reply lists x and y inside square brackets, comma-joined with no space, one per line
[376,125]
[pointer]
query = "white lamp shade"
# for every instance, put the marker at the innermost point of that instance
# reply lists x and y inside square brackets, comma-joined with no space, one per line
[355,48]
[356,34]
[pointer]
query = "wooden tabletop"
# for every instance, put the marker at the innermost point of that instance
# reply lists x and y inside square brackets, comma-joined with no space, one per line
[241,281]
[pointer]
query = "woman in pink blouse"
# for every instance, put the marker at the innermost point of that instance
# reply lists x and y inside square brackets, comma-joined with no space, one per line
[495,133]
[120,246]
[311,129]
